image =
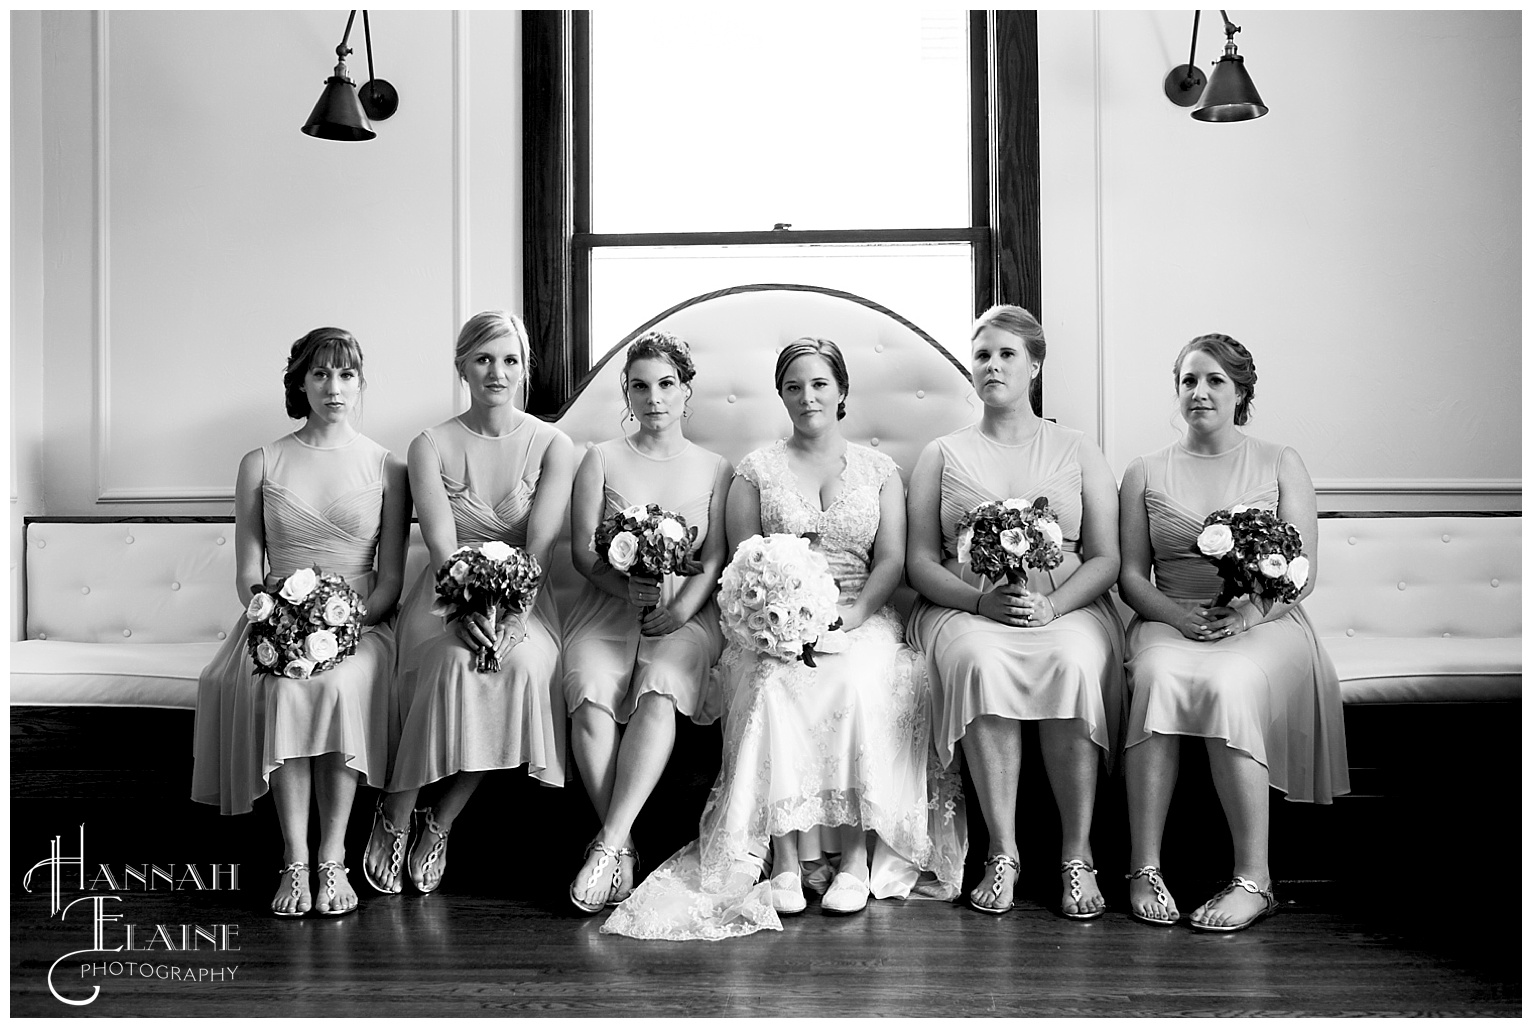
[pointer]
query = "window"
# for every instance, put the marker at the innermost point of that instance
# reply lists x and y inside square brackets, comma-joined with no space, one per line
[892,156]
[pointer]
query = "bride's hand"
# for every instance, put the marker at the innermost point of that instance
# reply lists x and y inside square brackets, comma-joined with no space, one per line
[849,618]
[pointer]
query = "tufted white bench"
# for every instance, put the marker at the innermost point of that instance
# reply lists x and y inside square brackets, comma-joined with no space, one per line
[1412,609]
[1421,608]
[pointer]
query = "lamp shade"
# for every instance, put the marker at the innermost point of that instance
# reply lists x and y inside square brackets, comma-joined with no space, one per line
[339,114]
[1230,95]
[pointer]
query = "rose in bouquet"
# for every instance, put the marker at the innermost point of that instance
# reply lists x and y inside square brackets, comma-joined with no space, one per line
[305,624]
[646,541]
[777,597]
[1002,538]
[493,580]
[1257,554]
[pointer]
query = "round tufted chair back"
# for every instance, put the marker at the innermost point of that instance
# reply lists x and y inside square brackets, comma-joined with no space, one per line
[905,389]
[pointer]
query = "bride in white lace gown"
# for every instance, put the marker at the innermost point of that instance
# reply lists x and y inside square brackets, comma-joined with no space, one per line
[826,764]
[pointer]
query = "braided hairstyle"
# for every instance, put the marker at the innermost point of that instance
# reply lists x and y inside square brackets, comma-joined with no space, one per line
[323,347]
[657,345]
[1235,360]
[808,346]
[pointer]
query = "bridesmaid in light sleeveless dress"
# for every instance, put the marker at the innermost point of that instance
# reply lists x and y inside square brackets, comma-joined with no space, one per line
[626,676]
[491,473]
[1048,651]
[328,497]
[1257,686]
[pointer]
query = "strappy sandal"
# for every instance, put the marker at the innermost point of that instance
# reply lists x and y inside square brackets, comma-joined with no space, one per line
[607,856]
[1239,882]
[433,855]
[297,873]
[617,898]
[398,838]
[994,866]
[1161,894]
[1074,869]
[331,869]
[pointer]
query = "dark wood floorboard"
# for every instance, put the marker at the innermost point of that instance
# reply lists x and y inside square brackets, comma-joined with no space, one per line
[458,953]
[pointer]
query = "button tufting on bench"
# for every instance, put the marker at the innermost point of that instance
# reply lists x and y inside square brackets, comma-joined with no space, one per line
[1494,583]
[220,540]
[128,539]
[84,590]
[175,586]
[42,635]
[1351,631]
[1401,587]
[731,397]
[223,635]
[1352,540]
[127,633]
[41,543]
[873,441]
[1446,538]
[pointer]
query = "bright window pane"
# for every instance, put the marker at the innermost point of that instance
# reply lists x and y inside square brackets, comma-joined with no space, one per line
[927,284]
[745,116]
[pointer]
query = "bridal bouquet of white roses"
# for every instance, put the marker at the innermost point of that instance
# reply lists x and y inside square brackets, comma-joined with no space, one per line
[645,541]
[491,579]
[1257,554]
[305,624]
[1002,538]
[777,597]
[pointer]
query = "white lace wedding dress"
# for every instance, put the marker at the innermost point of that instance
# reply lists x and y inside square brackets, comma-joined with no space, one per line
[846,743]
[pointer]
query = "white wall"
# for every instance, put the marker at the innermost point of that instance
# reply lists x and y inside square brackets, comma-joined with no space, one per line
[26,367]
[1363,239]
[190,233]
[187,232]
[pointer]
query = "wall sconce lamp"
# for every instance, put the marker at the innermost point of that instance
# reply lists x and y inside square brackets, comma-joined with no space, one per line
[340,113]
[1229,96]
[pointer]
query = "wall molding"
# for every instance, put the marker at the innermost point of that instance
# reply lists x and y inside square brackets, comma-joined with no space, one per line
[168,494]
[100,289]
[1420,486]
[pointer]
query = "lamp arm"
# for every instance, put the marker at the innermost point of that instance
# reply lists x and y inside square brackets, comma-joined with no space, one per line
[367,32]
[1229,28]
[1191,60]
[342,50]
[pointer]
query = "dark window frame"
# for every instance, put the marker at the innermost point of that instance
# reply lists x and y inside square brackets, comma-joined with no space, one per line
[1004,172]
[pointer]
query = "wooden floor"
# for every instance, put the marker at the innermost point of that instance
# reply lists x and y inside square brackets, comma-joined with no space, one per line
[462,954]
[1379,936]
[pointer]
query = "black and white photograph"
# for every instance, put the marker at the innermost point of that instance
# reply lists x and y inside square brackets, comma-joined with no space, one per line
[773,511]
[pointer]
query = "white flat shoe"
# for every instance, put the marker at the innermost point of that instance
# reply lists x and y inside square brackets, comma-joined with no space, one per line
[787,893]
[846,895]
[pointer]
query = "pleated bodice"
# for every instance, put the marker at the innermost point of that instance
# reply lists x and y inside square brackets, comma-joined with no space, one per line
[323,507]
[678,484]
[490,480]
[1245,474]
[976,469]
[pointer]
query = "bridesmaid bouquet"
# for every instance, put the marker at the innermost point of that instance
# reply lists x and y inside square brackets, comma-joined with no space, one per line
[1002,538]
[647,541]
[1256,554]
[494,580]
[305,625]
[777,597]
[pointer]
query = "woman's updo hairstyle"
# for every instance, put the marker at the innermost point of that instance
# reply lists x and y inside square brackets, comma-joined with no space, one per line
[662,346]
[1235,360]
[325,348]
[809,346]
[486,327]
[1019,322]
